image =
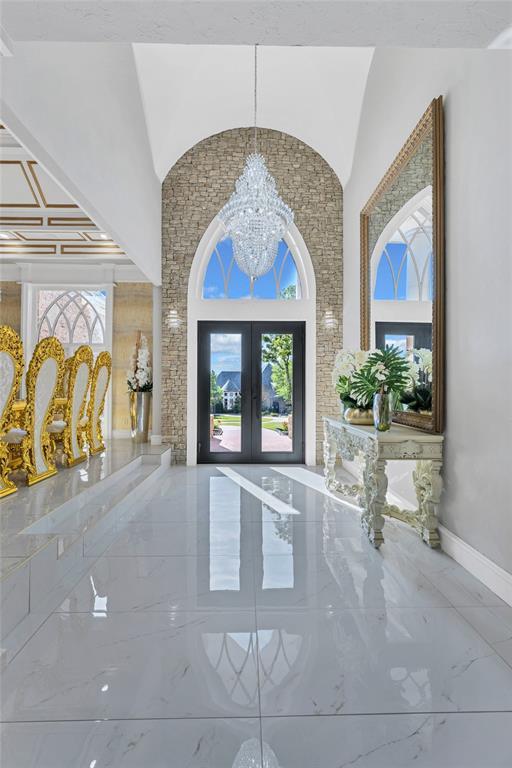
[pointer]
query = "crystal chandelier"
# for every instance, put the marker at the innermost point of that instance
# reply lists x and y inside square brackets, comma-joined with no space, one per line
[255,217]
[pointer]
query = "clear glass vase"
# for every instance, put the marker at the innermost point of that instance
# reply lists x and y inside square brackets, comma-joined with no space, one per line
[382,411]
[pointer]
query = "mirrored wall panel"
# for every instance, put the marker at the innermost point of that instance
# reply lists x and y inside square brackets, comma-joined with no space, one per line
[402,268]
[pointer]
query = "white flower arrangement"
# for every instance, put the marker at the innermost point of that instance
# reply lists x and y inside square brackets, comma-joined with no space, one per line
[346,363]
[140,375]
[424,362]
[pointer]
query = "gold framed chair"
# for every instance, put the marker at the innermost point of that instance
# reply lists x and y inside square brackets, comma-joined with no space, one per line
[44,379]
[11,371]
[100,380]
[78,372]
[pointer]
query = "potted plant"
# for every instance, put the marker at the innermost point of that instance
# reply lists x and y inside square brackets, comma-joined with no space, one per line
[418,397]
[140,386]
[385,375]
[346,364]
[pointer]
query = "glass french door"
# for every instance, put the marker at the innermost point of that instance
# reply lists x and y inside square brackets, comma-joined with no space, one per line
[250,392]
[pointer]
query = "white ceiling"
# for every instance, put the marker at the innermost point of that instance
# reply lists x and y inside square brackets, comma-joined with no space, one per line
[411,23]
[39,222]
[191,92]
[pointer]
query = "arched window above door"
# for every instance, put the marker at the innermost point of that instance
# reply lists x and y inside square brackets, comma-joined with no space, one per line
[404,268]
[224,280]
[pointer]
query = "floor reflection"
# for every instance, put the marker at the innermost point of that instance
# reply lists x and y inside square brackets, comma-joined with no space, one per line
[244,621]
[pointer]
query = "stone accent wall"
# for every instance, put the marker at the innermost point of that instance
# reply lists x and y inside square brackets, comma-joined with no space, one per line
[415,176]
[10,304]
[193,193]
[133,311]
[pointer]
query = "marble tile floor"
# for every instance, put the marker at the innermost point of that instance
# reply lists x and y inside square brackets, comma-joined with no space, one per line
[241,620]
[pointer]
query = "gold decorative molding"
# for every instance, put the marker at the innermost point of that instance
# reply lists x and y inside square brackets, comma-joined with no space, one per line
[18,221]
[54,239]
[431,121]
[6,247]
[82,355]
[25,174]
[31,166]
[404,156]
[76,222]
[94,414]
[46,349]
[96,248]
[11,344]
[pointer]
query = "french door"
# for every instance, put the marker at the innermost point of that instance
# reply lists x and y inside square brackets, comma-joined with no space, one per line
[250,392]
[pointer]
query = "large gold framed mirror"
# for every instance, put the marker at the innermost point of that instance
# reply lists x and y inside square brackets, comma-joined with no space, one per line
[402,268]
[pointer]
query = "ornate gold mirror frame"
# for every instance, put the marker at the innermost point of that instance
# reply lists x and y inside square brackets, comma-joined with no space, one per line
[430,123]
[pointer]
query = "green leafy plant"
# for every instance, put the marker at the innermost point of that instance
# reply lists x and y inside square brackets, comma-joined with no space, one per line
[418,399]
[385,371]
[216,394]
[277,349]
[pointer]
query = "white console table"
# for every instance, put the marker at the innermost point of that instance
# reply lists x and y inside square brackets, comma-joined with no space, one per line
[345,441]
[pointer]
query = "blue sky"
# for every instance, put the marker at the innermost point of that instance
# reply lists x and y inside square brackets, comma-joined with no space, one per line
[238,287]
[225,352]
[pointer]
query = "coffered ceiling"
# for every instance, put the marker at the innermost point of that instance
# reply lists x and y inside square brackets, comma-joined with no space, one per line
[39,222]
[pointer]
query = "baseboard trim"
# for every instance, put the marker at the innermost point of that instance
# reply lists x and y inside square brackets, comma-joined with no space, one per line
[493,576]
[121,433]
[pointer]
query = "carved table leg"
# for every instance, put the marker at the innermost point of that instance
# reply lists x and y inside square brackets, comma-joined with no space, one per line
[330,451]
[429,485]
[374,497]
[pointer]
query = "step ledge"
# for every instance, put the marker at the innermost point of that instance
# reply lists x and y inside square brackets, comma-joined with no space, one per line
[35,587]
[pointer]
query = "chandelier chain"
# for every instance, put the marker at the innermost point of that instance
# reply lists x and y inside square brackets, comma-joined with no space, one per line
[256,97]
[255,217]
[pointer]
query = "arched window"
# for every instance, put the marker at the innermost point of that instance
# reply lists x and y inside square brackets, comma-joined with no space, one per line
[74,316]
[404,269]
[224,280]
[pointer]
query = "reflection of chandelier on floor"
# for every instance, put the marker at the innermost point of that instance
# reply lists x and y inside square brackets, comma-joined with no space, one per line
[249,755]
[255,217]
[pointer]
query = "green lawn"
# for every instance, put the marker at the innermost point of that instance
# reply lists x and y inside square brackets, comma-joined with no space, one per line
[273,424]
[228,418]
[234,419]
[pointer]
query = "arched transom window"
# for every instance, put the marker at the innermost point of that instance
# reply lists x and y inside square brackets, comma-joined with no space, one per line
[224,280]
[404,269]
[74,316]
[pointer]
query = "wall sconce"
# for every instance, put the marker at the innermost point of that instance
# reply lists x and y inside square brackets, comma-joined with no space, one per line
[329,320]
[173,320]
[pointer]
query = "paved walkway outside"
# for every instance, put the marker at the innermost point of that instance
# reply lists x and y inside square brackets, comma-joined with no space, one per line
[230,440]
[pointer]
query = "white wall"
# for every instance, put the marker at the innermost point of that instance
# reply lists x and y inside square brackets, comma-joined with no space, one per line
[191,92]
[477,87]
[77,109]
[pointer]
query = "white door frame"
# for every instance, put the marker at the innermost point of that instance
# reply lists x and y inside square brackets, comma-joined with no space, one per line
[303,309]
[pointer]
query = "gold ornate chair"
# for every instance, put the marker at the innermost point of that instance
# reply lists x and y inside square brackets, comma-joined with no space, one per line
[44,378]
[99,385]
[11,371]
[78,372]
